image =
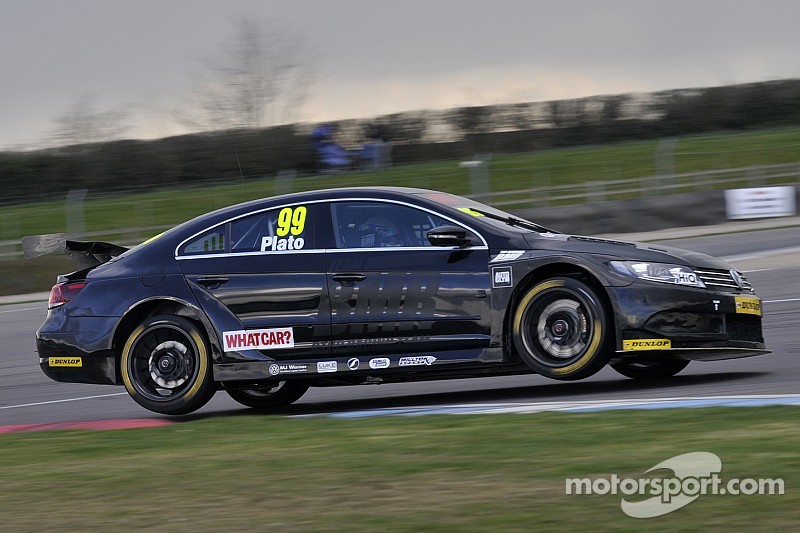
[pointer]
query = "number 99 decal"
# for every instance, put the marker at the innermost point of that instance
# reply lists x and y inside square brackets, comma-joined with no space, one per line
[290,225]
[291,220]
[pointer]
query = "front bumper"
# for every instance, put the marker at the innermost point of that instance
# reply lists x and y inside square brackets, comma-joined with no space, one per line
[655,322]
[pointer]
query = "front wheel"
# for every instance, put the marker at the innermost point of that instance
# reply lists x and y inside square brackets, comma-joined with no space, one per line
[166,367]
[275,394]
[650,369]
[561,330]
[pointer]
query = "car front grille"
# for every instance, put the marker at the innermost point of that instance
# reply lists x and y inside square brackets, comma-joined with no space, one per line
[724,280]
[744,328]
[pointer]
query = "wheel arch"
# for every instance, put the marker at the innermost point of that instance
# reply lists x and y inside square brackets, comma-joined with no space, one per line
[546,271]
[145,309]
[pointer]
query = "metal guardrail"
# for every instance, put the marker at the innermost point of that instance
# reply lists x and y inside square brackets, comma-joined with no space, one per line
[647,186]
[516,199]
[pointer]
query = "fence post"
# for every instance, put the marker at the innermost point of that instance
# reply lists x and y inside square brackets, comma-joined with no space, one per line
[283,183]
[74,212]
[755,176]
[543,183]
[665,161]
[11,230]
[596,191]
[478,174]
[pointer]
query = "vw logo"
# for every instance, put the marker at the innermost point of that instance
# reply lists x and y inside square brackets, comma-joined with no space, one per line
[737,279]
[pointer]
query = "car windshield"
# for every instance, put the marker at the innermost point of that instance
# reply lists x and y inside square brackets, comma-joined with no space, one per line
[487,214]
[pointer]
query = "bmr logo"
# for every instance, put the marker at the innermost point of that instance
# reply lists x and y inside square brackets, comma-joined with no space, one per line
[501,277]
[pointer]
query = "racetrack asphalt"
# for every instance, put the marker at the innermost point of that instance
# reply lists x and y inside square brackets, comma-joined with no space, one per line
[28,401]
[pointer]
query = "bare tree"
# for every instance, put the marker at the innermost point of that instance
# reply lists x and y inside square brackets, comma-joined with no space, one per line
[258,79]
[83,123]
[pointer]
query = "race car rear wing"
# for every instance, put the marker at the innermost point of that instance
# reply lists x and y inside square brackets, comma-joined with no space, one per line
[84,254]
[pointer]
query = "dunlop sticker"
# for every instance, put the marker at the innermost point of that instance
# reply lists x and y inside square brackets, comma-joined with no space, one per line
[65,361]
[748,305]
[646,344]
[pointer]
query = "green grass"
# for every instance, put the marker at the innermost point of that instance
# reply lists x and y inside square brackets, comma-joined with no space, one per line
[154,210]
[547,168]
[433,473]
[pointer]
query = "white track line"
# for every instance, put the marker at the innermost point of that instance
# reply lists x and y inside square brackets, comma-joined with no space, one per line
[23,309]
[64,400]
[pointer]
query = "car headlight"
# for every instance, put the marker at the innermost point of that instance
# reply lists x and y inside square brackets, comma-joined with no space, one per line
[660,272]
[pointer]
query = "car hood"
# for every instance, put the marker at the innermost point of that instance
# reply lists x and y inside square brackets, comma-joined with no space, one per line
[623,250]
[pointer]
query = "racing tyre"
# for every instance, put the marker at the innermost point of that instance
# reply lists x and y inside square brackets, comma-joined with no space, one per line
[560,329]
[165,366]
[275,394]
[650,369]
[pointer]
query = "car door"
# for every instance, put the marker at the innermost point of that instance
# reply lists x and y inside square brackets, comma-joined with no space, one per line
[393,292]
[265,269]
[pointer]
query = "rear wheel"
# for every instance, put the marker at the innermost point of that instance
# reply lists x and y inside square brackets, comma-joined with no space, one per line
[275,394]
[560,329]
[166,367]
[650,369]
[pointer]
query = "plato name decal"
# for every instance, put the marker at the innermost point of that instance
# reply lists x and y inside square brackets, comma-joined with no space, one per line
[258,339]
[280,244]
[646,344]
[290,225]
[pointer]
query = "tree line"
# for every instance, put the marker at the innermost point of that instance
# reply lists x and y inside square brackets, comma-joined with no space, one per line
[415,136]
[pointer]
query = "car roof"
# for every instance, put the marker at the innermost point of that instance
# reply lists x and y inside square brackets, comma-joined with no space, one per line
[405,193]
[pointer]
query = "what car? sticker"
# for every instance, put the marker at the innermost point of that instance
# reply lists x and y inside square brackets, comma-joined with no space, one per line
[258,339]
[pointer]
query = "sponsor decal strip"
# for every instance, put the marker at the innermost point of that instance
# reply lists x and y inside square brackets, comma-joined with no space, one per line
[501,277]
[258,339]
[646,344]
[748,305]
[507,255]
[66,361]
[421,360]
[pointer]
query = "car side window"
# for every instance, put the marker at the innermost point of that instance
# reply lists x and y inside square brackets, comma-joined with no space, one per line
[365,224]
[212,241]
[282,229]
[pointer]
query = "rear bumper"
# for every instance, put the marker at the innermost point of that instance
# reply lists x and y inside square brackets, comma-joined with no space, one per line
[77,350]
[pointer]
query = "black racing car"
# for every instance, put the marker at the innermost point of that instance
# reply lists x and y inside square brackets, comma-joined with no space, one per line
[378,285]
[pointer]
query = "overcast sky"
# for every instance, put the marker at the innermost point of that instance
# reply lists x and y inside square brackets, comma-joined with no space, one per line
[379,56]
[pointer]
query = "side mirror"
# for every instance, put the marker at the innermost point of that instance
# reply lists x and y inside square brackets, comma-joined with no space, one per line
[450,236]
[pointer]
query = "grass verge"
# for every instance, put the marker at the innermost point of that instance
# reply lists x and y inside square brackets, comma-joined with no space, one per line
[154,210]
[432,473]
